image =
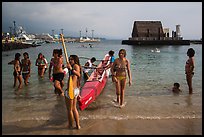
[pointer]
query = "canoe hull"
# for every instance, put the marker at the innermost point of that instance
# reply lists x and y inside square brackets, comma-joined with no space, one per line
[94,86]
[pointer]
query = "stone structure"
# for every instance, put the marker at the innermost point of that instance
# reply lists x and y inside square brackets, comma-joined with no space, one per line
[152,33]
[147,30]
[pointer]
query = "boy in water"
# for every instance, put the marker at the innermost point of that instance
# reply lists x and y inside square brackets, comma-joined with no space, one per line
[175,88]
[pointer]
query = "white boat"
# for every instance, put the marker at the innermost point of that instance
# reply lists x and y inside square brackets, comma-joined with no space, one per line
[87,39]
[26,38]
[156,50]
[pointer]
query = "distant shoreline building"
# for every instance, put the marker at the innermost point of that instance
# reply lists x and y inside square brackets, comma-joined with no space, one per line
[152,33]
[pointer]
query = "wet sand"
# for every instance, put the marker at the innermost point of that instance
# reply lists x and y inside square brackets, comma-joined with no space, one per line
[108,127]
[176,117]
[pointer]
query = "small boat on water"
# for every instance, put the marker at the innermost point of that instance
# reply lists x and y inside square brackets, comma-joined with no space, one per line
[156,50]
[87,39]
[95,84]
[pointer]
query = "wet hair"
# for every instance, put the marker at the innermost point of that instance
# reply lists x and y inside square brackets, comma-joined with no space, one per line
[177,85]
[191,52]
[17,56]
[111,52]
[57,51]
[123,50]
[76,59]
[60,52]
[39,55]
[26,53]
[93,59]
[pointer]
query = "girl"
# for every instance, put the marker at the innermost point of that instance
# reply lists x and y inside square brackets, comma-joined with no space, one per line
[17,70]
[40,62]
[118,71]
[73,84]
[26,65]
[189,67]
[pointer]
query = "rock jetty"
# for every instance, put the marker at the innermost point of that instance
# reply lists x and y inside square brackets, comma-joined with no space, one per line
[16,45]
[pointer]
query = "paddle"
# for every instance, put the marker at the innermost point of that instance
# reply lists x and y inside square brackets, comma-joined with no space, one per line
[70,90]
[64,48]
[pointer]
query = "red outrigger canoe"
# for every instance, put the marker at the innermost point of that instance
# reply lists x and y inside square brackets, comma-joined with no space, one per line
[94,85]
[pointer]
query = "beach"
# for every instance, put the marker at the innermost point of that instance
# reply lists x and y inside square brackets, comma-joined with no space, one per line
[109,127]
[138,117]
[151,107]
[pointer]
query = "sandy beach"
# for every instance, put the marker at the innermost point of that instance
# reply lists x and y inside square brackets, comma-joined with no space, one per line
[102,118]
[110,127]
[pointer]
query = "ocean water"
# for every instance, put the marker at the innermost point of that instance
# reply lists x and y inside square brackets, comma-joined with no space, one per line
[149,97]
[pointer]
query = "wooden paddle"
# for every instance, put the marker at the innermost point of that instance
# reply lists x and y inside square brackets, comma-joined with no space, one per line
[70,90]
[64,48]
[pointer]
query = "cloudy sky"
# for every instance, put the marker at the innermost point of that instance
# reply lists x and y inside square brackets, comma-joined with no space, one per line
[111,20]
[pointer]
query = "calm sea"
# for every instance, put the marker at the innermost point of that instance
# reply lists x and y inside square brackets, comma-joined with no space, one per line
[149,97]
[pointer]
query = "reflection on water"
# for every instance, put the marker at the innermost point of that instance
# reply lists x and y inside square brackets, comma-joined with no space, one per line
[188,100]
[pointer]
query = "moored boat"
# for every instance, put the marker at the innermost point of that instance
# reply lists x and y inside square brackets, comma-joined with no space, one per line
[95,84]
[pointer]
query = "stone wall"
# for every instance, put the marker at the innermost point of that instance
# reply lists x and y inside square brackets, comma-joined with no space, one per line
[147,29]
[16,45]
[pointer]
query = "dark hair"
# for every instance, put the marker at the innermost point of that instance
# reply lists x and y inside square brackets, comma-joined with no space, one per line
[39,55]
[60,52]
[111,52]
[57,51]
[177,85]
[76,61]
[25,53]
[17,56]
[191,52]
[93,59]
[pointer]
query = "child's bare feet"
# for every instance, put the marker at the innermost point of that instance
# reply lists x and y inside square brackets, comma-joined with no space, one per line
[62,94]
[78,127]
[70,127]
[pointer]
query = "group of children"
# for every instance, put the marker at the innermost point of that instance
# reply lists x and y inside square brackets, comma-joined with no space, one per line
[120,69]
[189,71]
[22,68]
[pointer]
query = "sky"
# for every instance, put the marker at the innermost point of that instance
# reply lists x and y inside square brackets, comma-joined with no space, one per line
[110,20]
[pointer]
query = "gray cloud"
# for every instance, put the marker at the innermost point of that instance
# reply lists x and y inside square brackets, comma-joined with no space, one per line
[107,19]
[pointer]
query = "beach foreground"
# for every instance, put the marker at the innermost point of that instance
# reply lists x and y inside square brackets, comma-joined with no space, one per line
[138,117]
[111,127]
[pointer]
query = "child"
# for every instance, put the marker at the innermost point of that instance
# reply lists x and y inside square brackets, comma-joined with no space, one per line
[120,70]
[17,70]
[189,68]
[176,89]
[89,64]
[26,67]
